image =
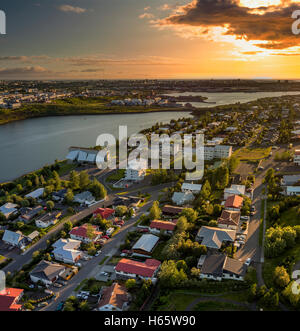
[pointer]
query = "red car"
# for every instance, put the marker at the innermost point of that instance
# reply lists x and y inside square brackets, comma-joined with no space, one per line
[125,251]
[105,237]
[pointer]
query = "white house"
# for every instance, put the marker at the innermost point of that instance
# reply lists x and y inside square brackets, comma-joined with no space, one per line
[292,190]
[8,209]
[46,272]
[36,194]
[194,188]
[182,198]
[48,219]
[67,250]
[84,198]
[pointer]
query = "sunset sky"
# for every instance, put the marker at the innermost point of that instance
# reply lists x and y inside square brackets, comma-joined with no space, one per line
[110,39]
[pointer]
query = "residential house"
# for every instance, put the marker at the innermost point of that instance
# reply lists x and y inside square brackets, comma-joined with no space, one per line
[297,157]
[84,198]
[44,221]
[60,195]
[220,266]
[292,191]
[46,272]
[180,198]
[67,250]
[234,202]
[213,238]
[166,227]
[105,213]
[113,298]
[229,219]
[27,214]
[36,194]
[290,180]
[193,188]
[172,211]
[137,270]
[9,209]
[9,299]
[86,233]
[234,190]
[145,245]
[15,239]
[33,235]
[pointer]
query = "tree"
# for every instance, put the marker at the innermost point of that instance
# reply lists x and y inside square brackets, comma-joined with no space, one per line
[84,180]
[130,284]
[155,212]
[28,184]
[68,226]
[84,306]
[50,205]
[74,180]
[190,214]
[206,191]
[19,188]
[98,189]
[281,277]
[121,211]
[2,218]
[69,197]
[182,224]
[170,276]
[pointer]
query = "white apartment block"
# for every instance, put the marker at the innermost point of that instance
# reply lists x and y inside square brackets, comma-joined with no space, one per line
[217,152]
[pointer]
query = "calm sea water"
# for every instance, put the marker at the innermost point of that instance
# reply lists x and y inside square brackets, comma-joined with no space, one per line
[29,145]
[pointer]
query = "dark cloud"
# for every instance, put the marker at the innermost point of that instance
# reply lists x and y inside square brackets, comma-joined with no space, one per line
[272,24]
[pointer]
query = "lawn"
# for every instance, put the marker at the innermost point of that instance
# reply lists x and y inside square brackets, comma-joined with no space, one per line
[290,217]
[218,306]
[116,176]
[270,264]
[247,154]
[157,251]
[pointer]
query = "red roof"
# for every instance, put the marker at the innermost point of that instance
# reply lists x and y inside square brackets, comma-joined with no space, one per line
[234,201]
[9,298]
[82,231]
[163,225]
[104,212]
[297,152]
[144,269]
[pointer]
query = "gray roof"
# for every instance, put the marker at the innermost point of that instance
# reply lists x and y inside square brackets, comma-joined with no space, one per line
[213,265]
[214,237]
[12,238]
[47,270]
[179,197]
[290,179]
[146,243]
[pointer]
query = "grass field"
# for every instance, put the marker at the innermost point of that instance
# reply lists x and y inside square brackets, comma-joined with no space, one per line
[247,154]
[218,306]
[290,217]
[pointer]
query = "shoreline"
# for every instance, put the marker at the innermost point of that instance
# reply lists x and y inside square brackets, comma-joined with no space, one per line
[188,110]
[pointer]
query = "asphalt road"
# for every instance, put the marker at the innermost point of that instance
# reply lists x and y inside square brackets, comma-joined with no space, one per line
[87,271]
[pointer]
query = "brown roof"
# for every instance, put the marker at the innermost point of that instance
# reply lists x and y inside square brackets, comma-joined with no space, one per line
[234,266]
[234,201]
[163,225]
[172,210]
[115,295]
[230,217]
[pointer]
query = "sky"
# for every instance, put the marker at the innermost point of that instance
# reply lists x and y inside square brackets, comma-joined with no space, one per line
[145,39]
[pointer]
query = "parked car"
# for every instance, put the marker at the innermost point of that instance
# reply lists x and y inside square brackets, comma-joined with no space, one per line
[105,237]
[60,306]
[143,230]
[98,253]
[78,264]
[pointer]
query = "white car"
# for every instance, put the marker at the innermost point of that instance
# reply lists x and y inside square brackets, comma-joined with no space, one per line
[98,253]
[248,262]
[78,264]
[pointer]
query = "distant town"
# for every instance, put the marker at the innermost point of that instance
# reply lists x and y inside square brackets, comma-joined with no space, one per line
[74,237]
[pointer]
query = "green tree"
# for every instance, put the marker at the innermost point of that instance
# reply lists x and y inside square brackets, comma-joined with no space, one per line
[50,205]
[68,226]
[155,212]
[84,180]
[69,197]
[130,284]
[98,190]
[281,277]
[74,180]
